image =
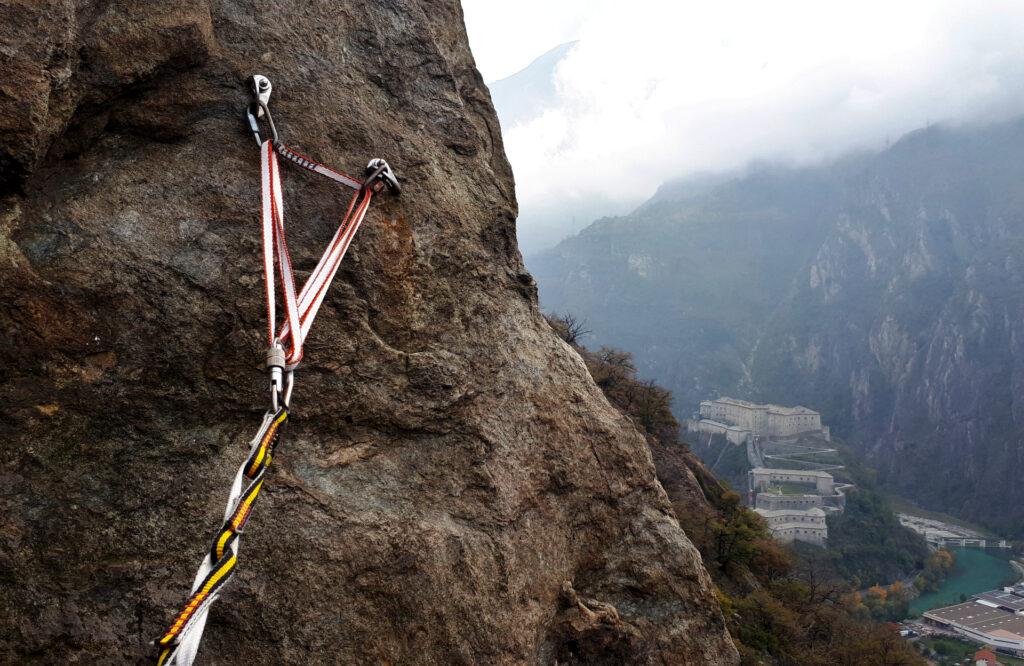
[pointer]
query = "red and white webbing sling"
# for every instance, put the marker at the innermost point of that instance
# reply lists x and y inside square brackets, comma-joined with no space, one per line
[179,644]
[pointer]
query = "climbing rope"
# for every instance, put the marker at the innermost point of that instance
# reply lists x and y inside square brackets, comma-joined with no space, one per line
[180,643]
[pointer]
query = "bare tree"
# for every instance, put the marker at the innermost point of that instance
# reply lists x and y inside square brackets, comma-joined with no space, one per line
[568,327]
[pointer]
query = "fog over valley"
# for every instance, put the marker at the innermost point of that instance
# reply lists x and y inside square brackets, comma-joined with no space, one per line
[625,101]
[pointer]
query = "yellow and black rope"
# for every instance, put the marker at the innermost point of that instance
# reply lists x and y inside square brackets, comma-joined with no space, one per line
[222,554]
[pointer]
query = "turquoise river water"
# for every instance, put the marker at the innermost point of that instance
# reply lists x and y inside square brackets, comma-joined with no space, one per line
[976,570]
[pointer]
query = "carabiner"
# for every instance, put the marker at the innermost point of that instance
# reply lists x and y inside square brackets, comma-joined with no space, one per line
[379,175]
[281,391]
[282,379]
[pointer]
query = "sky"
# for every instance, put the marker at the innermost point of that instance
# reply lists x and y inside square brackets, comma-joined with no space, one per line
[658,89]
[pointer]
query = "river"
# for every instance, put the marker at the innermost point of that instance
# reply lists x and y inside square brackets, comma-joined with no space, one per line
[977,570]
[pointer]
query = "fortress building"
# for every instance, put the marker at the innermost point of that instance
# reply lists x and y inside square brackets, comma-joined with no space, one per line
[762,420]
[789,525]
[827,503]
[795,502]
[733,434]
[761,478]
[740,421]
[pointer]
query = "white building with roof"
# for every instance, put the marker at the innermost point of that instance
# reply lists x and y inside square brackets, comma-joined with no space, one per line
[789,525]
[760,420]
[762,478]
[992,618]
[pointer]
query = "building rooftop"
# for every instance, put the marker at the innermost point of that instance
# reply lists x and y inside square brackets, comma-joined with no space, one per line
[740,403]
[987,656]
[772,513]
[1006,600]
[792,411]
[778,409]
[802,472]
[981,618]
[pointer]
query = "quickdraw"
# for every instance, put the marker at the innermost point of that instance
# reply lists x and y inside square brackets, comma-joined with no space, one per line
[180,643]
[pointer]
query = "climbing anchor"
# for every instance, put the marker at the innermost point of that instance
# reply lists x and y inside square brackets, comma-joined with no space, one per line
[180,643]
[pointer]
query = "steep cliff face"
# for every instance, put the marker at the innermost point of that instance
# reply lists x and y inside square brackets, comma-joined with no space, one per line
[886,291]
[453,488]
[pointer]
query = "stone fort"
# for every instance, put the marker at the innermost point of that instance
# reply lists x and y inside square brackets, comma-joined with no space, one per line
[797,514]
[788,526]
[740,420]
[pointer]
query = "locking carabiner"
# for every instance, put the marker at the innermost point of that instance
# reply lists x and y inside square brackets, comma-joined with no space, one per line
[282,379]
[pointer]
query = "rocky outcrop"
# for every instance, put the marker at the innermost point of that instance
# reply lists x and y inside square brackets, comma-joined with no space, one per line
[452,487]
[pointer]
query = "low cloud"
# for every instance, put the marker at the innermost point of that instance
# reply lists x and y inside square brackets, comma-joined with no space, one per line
[661,89]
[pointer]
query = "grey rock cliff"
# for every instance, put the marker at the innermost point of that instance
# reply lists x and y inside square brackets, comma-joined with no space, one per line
[452,488]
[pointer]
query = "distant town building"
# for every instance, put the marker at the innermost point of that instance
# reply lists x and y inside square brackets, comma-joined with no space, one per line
[739,420]
[986,658]
[993,618]
[942,534]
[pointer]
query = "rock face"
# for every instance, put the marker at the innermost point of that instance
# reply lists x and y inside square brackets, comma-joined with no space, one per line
[886,291]
[452,487]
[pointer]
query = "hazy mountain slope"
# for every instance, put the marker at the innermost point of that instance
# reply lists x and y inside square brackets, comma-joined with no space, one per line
[524,95]
[684,281]
[886,291]
[907,325]
[752,571]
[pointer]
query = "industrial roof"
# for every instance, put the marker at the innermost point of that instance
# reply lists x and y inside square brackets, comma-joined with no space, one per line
[1003,599]
[983,619]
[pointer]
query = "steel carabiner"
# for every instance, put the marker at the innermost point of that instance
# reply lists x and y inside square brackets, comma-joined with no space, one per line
[379,176]
[282,378]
